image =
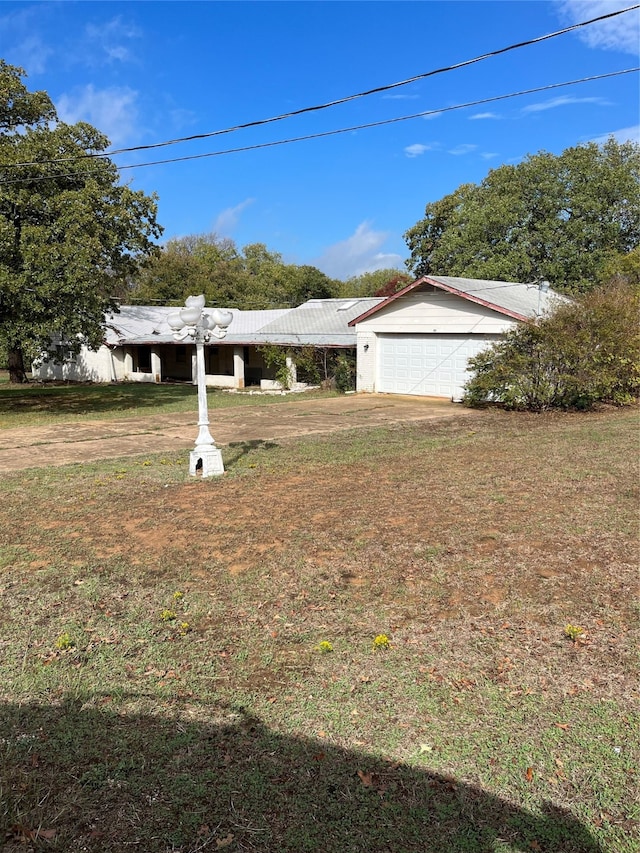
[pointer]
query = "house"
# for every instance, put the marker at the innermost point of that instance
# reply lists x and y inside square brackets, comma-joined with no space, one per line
[419,341]
[139,345]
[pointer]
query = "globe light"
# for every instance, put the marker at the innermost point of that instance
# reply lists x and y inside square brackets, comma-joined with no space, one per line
[192,323]
[221,318]
[195,302]
[190,316]
[174,321]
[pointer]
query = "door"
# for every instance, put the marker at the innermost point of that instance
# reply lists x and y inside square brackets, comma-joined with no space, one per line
[427,365]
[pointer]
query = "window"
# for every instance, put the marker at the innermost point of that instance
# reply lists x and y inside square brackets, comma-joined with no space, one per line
[144,360]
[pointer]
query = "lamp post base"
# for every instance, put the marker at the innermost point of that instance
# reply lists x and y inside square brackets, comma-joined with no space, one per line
[206,462]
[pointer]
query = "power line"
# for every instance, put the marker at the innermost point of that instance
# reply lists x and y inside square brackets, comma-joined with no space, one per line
[318,107]
[326,133]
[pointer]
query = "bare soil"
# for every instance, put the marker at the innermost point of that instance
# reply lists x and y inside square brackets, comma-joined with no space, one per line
[63,444]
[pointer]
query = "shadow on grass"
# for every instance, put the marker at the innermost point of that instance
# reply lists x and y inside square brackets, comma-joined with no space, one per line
[92,779]
[77,398]
[242,448]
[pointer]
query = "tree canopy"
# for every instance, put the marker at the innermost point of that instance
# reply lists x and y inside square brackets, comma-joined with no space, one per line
[71,235]
[562,218]
[382,282]
[251,278]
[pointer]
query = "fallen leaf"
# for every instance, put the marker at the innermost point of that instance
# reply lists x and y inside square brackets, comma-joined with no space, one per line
[47,834]
[529,774]
[366,778]
[319,756]
[563,726]
[224,842]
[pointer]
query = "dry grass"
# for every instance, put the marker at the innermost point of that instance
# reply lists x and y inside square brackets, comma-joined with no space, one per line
[471,544]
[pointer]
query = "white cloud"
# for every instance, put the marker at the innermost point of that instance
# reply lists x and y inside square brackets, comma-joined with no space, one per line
[33,54]
[416,149]
[25,47]
[621,33]
[625,134]
[463,148]
[228,219]
[357,254]
[478,116]
[563,101]
[112,111]
[488,155]
[111,39]
[400,97]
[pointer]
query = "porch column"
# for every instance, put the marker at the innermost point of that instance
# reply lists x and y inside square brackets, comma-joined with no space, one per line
[194,366]
[156,365]
[128,364]
[293,371]
[238,367]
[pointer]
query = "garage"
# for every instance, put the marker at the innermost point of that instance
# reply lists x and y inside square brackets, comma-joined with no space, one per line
[419,340]
[427,365]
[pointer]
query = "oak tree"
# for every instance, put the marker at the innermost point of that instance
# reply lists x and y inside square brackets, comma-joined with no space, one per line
[561,218]
[71,235]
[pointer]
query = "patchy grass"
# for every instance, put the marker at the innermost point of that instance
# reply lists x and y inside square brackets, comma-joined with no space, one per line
[44,403]
[164,684]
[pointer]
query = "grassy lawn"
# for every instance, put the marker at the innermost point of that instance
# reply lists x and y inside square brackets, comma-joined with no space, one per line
[192,665]
[36,404]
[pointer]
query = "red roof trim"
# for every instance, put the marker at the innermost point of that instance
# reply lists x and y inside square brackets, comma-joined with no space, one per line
[447,287]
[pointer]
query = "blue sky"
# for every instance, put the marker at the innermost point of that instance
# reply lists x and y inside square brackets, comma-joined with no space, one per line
[145,72]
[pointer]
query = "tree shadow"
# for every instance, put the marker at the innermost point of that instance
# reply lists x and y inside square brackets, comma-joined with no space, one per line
[65,399]
[243,448]
[82,777]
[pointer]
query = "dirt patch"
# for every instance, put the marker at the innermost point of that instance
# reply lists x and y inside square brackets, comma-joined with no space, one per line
[25,448]
[461,529]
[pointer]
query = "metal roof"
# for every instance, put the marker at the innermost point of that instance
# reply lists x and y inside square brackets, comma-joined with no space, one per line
[318,322]
[516,299]
[146,324]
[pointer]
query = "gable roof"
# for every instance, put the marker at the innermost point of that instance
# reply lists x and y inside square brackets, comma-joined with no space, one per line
[514,299]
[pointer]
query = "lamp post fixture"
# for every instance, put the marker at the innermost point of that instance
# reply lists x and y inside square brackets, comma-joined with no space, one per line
[542,286]
[191,323]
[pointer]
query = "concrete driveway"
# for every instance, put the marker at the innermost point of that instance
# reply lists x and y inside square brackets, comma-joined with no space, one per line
[65,443]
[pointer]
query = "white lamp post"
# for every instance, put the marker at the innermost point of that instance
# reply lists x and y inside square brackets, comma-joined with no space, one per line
[192,323]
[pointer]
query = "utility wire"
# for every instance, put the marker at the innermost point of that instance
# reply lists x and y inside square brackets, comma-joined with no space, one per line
[326,133]
[348,98]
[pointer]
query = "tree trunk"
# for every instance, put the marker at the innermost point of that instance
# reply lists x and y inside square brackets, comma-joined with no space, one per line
[17,372]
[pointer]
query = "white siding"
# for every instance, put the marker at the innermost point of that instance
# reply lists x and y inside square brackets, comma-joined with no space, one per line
[428,312]
[88,366]
[365,361]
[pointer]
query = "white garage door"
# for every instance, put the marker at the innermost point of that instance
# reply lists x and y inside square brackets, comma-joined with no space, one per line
[427,365]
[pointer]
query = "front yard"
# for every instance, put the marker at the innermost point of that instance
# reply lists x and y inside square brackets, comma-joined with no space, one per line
[192,665]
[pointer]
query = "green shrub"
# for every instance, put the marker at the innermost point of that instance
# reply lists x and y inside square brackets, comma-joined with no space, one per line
[275,358]
[587,351]
[344,373]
